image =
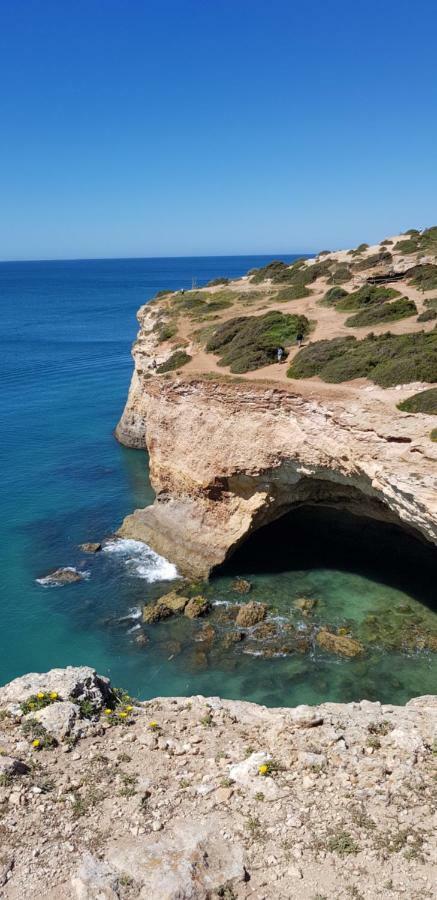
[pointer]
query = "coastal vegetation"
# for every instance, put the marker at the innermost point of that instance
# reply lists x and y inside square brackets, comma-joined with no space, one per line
[251,342]
[175,361]
[340,274]
[423,402]
[376,259]
[418,242]
[333,296]
[386,359]
[368,295]
[424,277]
[386,312]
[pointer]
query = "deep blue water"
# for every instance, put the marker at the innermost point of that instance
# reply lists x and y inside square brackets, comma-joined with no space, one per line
[65,367]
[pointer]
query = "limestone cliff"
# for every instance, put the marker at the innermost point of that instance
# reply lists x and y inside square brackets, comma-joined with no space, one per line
[228,455]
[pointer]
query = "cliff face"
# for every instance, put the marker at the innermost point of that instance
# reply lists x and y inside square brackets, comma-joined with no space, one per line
[227,457]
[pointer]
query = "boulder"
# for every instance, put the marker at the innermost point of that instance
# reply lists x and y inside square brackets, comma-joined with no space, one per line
[190,861]
[196,607]
[305,604]
[241,586]
[206,634]
[251,614]
[11,766]
[173,601]
[339,643]
[154,612]
[61,576]
[58,719]
[90,547]
[74,682]
[305,716]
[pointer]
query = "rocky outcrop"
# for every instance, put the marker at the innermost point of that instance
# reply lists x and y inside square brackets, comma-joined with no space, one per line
[199,798]
[227,457]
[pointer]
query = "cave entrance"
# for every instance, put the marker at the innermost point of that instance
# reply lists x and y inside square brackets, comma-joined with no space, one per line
[319,537]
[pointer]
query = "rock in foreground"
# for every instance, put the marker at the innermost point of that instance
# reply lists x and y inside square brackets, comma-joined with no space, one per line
[201,798]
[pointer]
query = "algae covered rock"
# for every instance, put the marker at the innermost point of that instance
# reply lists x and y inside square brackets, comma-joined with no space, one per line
[241,586]
[251,614]
[339,643]
[154,612]
[173,601]
[196,607]
[305,604]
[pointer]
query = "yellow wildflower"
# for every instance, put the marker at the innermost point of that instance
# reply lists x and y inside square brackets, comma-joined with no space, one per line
[263,770]
[129,708]
[36,743]
[153,725]
[122,715]
[40,695]
[108,712]
[53,695]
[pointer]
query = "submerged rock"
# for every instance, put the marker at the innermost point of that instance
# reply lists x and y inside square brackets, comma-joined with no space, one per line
[305,604]
[196,607]
[90,547]
[251,614]
[241,586]
[339,643]
[173,601]
[65,575]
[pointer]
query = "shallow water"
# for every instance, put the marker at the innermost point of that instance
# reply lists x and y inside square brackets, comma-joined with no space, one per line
[65,370]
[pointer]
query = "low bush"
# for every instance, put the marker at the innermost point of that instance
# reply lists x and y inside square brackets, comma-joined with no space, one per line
[424,277]
[358,250]
[386,312]
[406,247]
[368,295]
[433,435]
[271,270]
[340,274]
[165,331]
[423,402]
[384,257]
[298,273]
[251,342]
[175,361]
[386,359]
[293,292]
[431,303]
[419,242]
[332,296]
[202,303]
[216,281]
[385,243]
[427,315]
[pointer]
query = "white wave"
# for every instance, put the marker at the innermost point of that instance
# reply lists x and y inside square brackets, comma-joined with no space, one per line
[142,561]
[222,603]
[134,628]
[134,613]
[54,581]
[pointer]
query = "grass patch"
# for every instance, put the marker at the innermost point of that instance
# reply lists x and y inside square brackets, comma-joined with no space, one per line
[294,292]
[199,304]
[175,361]
[387,312]
[332,297]
[423,402]
[165,331]
[341,842]
[251,342]
[368,295]
[385,359]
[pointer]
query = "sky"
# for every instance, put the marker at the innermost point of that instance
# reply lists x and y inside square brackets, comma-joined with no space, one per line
[210,127]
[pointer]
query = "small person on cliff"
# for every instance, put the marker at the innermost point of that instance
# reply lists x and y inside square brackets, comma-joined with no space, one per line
[279,354]
[299,340]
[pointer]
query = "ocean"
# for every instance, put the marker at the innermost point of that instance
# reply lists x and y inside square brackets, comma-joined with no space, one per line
[65,367]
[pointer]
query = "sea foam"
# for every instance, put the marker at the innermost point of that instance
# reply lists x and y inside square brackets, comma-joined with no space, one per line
[141,561]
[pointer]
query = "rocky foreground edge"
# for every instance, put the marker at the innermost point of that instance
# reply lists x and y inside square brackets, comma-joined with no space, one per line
[103,797]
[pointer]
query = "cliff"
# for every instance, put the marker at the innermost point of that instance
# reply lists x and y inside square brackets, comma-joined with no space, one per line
[106,798]
[230,453]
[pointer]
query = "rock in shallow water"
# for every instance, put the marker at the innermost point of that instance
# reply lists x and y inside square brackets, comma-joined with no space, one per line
[251,614]
[339,643]
[196,607]
[90,547]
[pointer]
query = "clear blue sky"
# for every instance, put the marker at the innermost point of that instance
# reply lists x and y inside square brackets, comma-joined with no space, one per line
[184,127]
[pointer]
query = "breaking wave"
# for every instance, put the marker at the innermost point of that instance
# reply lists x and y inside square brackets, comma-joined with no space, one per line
[141,561]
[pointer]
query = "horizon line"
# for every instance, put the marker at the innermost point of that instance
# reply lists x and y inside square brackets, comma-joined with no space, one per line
[184,256]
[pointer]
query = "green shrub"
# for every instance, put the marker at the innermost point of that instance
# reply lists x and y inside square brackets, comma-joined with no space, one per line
[293,292]
[368,295]
[165,331]
[427,315]
[386,312]
[175,361]
[271,270]
[297,273]
[424,277]
[324,253]
[431,303]
[251,342]
[38,701]
[385,243]
[433,435]
[411,231]
[332,296]
[386,359]
[384,257]
[423,402]
[216,281]
[200,304]
[358,250]
[340,274]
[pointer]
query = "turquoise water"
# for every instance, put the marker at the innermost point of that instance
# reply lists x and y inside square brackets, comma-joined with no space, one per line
[65,368]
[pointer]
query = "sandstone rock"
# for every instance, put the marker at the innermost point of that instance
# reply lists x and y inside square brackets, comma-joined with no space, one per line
[58,719]
[90,547]
[173,601]
[241,586]
[251,614]
[95,881]
[233,637]
[66,575]
[339,643]
[154,612]
[11,766]
[196,607]
[189,862]
[73,682]
[207,634]
[264,631]
[305,717]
